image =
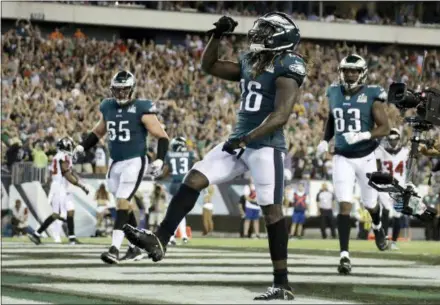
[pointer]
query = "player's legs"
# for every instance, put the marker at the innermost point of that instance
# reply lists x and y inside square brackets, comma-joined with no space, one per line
[182,228]
[58,207]
[343,182]
[369,197]
[70,207]
[123,180]
[217,166]
[386,203]
[266,166]
[396,229]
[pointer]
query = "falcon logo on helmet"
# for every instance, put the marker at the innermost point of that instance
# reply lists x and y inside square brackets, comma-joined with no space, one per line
[349,64]
[66,145]
[393,140]
[122,86]
[178,144]
[274,31]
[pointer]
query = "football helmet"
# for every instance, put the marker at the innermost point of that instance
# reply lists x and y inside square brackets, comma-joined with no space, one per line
[122,86]
[274,31]
[178,144]
[352,62]
[393,140]
[66,144]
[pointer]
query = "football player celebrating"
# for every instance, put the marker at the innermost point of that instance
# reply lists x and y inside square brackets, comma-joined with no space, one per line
[356,120]
[177,163]
[391,158]
[127,122]
[61,172]
[270,75]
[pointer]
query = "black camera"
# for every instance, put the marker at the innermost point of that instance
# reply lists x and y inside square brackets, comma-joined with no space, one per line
[427,101]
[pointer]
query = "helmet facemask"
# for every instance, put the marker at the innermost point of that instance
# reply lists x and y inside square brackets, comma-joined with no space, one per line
[122,94]
[393,140]
[350,63]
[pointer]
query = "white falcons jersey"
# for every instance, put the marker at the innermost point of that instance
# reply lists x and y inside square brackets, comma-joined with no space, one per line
[395,164]
[58,180]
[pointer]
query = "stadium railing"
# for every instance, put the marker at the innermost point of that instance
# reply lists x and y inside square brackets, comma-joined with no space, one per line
[26,172]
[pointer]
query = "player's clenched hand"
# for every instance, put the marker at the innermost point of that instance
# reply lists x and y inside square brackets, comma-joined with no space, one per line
[155,168]
[232,144]
[355,137]
[79,149]
[223,25]
[322,148]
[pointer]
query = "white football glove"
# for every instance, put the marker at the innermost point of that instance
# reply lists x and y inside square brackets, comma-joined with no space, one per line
[155,168]
[355,137]
[322,148]
[79,149]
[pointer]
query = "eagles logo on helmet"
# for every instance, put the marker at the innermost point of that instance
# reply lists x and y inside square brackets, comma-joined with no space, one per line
[178,144]
[352,71]
[122,86]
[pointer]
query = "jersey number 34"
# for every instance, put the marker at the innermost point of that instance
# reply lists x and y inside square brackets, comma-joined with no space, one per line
[350,122]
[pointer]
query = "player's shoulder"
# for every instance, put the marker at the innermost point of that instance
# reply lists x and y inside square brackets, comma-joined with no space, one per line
[107,103]
[146,106]
[290,65]
[377,92]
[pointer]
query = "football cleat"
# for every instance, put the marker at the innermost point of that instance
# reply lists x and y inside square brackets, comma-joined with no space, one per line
[34,238]
[133,254]
[394,246]
[344,266]
[276,293]
[185,240]
[74,241]
[111,257]
[382,242]
[146,240]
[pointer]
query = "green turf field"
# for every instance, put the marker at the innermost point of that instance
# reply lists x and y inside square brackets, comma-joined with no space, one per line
[213,270]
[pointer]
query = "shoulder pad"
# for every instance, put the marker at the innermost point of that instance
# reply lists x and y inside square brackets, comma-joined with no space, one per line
[378,92]
[146,106]
[104,104]
[292,66]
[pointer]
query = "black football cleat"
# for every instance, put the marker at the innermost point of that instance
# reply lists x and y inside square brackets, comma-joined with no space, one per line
[74,241]
[111,256]
[344,266]
[146,240]
[276,293]
[382,242]
[34,238]
[133,254]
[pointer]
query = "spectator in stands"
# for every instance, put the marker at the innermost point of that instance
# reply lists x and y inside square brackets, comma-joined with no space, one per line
[326,204]
[39,156]
[207,209]
[102,199]
[19,219]
[431,200]
[252,210]
[300,207]
[157,206]
[364,222]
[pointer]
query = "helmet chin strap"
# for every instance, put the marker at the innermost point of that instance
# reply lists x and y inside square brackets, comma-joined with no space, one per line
[122,102]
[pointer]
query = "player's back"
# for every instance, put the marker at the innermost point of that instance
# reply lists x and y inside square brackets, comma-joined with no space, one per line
[258,96]
[59,182]
[127,135]
[179,163]
[354,113]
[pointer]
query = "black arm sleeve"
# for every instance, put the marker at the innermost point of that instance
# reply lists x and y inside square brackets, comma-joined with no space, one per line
[162,148]
[90,141]
[329,128]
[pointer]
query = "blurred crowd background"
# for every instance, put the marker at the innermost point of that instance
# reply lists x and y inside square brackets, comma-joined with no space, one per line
[52,85]
[415,13]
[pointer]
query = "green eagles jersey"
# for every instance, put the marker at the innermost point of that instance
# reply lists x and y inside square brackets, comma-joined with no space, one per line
[127,135]
[179,163]
[354,114]
[258,97]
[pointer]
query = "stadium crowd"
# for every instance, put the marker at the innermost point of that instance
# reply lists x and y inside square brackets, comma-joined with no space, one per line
[52,86]
[403,14]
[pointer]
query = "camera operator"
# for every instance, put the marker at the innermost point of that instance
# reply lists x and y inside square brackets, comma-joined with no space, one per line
[431,152]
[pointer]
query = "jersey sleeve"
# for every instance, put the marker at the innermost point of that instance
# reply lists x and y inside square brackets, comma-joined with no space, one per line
[147,107]
[379,93]
[103,107]
[291,66]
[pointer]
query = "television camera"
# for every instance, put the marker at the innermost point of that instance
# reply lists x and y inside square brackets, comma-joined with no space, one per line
[427,105]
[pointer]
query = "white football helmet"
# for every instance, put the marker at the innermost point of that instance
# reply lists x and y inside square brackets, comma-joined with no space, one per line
[352,62]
